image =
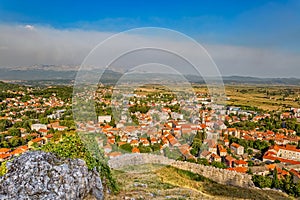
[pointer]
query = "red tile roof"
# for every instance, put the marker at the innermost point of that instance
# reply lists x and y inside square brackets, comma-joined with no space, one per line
[240,162]
[4,156]
[4,150]
[295,173]
[273,158]
[114,154]
[235,145]
[229,158]
[135,150]
[238,169]
[37,139]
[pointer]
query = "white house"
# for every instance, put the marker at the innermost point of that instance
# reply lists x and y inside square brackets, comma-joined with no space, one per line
[37,127]
[238,149]
[106,118]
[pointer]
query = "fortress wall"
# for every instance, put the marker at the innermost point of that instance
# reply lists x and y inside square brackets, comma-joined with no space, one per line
[221,176]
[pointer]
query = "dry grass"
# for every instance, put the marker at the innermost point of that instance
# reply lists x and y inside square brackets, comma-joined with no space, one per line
[263,96]
[210,189]
[163,182]
[266,97]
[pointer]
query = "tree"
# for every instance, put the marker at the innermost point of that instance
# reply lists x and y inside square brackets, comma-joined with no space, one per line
[288,185]
[16,141]
[272,142]
[4,124]
[202,161]
[18,125]
[218,165]
[4,144]
[197,143]
[51,131]
[126,147]
[194,152]
[26,125]
[192,160]
[14,132]
[275,182]
[296,189]
[173,154]
[249,171]
[155,147]
[144,149]
[44,120]
[112,122]
[250,163]
[262,181]
[250,151]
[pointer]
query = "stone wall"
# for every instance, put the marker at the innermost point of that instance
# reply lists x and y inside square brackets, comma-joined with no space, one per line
[221,176]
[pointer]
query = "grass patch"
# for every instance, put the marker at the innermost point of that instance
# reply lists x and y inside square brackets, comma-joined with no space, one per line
[166,182]
[182,178]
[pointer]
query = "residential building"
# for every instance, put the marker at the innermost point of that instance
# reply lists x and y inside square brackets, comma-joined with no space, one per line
[37,127]
[238,149]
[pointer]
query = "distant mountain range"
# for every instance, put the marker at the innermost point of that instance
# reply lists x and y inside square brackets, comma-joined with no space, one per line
[68,74]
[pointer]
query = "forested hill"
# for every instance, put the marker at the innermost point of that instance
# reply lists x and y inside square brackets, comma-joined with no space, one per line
[9,86]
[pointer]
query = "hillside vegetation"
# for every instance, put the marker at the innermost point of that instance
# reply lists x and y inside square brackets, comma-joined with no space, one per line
[165,182]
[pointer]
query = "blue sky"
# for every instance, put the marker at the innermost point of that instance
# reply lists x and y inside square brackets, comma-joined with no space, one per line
[228,21]
[263,24]
[65,14]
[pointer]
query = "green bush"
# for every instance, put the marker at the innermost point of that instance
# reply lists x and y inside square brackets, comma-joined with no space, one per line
[126,147]
[262,181]
[72,146]
[218,165]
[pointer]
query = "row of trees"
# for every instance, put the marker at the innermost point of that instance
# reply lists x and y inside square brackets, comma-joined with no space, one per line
[143,149]
[197,143]
[139,108]
[62,92]
[285,184]
[14,141]
[257,144]
[273,123]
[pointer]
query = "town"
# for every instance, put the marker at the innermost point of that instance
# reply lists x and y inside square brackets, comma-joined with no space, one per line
[261,143]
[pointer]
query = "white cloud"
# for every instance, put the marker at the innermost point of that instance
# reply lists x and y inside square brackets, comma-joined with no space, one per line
[29,27]
[28,45]
[249,61]
[31,45]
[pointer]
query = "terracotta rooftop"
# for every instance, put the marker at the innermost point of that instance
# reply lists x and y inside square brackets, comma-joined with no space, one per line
[238,169]
[4,150]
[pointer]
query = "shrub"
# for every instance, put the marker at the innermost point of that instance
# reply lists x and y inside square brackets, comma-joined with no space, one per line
[72,146]
[3,169]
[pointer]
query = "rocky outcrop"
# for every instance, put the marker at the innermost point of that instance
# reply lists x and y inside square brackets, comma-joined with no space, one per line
[221,176]
[40,175]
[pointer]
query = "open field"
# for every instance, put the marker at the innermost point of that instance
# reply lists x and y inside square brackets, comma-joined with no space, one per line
[265,97]
[164,182]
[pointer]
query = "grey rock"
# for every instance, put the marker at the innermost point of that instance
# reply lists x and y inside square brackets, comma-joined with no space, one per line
[40,175]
